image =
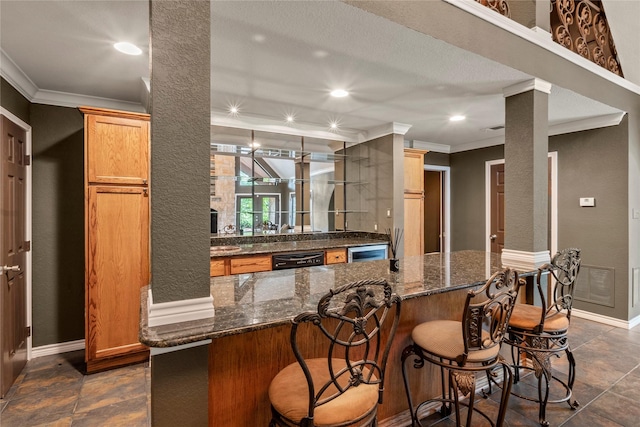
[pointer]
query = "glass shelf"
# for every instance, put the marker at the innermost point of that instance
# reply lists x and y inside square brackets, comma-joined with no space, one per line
[278,153]
[271,181]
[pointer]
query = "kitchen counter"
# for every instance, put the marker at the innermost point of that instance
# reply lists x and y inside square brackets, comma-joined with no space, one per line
[250,331]
[292,242]
[247,302]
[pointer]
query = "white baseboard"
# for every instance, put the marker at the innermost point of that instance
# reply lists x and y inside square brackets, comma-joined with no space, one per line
[611,321]
[51,349]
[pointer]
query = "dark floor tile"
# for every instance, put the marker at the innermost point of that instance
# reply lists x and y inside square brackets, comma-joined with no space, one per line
[590,418]
[3,404]
[617,408]
[128,413]
[45,381]
[64,422]
[107,388]
[71,360]
[582,331]
[40,408]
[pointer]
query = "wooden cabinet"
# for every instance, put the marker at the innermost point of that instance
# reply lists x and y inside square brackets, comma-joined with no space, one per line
[116,235]
[335,256]
[413,201]
[250,264]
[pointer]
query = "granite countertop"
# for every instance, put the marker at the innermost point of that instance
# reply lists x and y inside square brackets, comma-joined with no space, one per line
[247,302]
[268,244]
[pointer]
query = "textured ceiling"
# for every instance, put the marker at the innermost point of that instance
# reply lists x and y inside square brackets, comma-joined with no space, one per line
[278,58]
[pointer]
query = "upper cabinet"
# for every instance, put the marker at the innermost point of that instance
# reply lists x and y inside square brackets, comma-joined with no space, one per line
[119,149]
[413,202]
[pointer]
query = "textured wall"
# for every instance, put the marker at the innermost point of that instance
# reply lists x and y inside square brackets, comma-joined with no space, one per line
[13,101]
[437,159]
[180,148]
[594,164]
[526,179]
[468,197]
[58,224]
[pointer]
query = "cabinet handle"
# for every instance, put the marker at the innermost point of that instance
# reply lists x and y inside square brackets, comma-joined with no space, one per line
[144,181]
[145,192]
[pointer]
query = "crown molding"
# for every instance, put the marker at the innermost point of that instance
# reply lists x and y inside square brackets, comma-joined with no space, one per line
[10,71]
[431,146]
[586,124]
[277,126]
[27,88]
[526,86]
[386,129]
[507,24]
[474,145]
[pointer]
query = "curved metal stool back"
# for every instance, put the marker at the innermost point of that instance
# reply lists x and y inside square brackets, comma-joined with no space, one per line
[343,388]
[465,347]
[540,332]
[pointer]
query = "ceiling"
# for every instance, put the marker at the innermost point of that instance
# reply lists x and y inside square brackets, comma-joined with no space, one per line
[273,59]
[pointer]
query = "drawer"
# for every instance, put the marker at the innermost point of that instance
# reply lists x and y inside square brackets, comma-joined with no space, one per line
[253,264]
[216,267]
[336,256]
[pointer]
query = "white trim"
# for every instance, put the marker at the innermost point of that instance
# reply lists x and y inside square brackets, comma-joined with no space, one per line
[483,143]
[155,351]
[387,129]
[611,321]
[28,223]
[507,24]
[526,86]
[165,313]
[13,74]
[446,172]
[525,261]
[587,124]
[553,203]
[542,33]
[58,348]
[16,77]
[431,146]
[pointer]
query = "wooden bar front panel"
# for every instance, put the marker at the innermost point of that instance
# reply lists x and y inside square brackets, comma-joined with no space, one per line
[242,366]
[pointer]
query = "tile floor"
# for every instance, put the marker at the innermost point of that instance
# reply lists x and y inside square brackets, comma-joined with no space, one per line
[52,391]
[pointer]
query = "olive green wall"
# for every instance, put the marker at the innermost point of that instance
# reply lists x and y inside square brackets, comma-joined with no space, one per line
[58,224]
[13,101]
[437,159]
[58,217]
[590,164]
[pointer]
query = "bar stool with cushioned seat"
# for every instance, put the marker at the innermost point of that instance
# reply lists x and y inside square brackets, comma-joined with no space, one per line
[541,331]
[466,347]
[344,387]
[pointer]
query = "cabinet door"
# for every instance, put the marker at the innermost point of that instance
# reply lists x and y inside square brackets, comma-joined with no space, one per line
[117,150]
[413,224]
[413,170]
[117,267]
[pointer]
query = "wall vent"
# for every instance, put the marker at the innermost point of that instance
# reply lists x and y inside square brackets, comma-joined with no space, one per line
[596,285]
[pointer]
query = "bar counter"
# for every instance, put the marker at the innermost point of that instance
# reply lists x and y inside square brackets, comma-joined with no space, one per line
[251,327]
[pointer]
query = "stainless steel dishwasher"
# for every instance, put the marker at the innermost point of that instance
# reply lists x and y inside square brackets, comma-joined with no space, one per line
[367,253]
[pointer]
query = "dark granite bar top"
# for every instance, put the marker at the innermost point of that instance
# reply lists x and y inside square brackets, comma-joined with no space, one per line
[248,302]
[292,242]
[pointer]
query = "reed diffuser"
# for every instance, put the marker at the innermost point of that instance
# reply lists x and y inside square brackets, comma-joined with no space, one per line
[394,241]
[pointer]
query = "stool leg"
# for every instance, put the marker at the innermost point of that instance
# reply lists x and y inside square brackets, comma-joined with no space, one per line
[573,403]
[507,382]
[408,351]
[543,392]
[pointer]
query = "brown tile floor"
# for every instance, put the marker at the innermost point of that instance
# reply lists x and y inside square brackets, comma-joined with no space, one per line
[52,391]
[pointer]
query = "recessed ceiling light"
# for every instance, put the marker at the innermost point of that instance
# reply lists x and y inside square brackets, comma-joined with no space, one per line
[128,48]
[333,125]
[290,118]
[457,118]
[259,38]
[254,144]
[339,93]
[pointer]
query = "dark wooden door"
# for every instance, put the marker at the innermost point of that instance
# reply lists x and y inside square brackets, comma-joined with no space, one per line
[13,245]
[497,208]
[433,224]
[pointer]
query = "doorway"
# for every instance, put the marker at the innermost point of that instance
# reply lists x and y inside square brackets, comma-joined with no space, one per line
[15,246]
[436,209]
[494,204]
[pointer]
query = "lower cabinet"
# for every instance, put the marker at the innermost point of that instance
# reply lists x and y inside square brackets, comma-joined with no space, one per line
[117,252]
[335,256]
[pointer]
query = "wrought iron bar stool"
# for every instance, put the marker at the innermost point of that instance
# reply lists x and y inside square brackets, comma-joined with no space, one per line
[357,323]
[540,332]
[464,348]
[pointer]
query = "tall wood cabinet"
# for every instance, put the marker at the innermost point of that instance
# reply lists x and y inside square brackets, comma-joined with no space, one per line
[413,201]
[116,235]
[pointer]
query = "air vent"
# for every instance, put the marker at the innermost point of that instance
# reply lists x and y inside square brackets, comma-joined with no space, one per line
[496,127]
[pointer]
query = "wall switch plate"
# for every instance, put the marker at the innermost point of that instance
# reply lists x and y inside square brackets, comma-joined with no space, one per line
[635,213]
[587,201]
[388,213]
[375,227]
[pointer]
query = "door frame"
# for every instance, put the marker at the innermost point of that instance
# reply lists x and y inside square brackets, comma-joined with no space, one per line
[446,203]
[553,202]
[28,222]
